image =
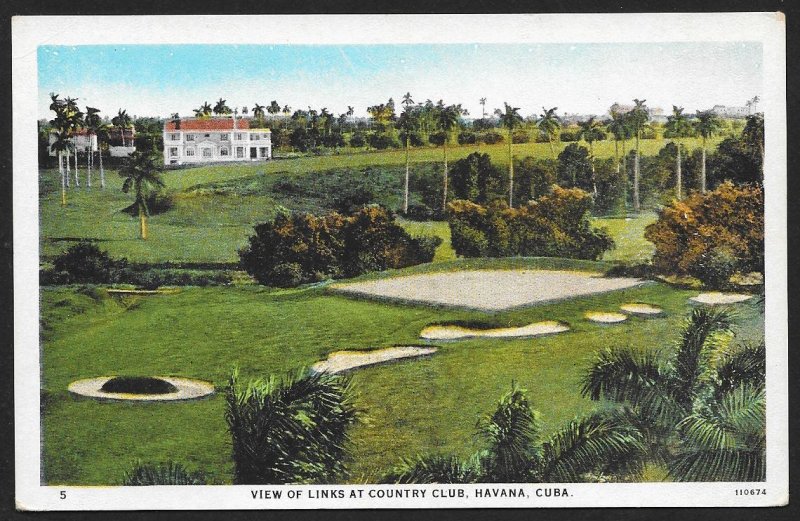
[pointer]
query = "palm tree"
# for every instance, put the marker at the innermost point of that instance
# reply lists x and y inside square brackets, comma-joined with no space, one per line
[549,124]
[101,131]
[75,120]
[713,393]
[292,430]
[407,123]
[637,118]
[60,146]
[516,451]
[446,119]
[707,124]
[258,111]
[510,119]
[92,122]
[274,107]
[756,99]
[286,110]
[221,107]
[590,131]
[678,127]
[483,108]
[141,175]
[122,121]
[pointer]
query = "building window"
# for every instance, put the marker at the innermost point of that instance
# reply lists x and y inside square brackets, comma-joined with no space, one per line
[206,135]
[239,151]
[223,137]
[206,152]
[189,137]
[189,151]
[175,137]
[173,151]
[223,151]
[239,137]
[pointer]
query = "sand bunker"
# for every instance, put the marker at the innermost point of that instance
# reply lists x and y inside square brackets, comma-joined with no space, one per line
[188,389]
[638,308]
[488,290]
[604,317]
[345,360]
[716,297]
[159,291]
[445,332]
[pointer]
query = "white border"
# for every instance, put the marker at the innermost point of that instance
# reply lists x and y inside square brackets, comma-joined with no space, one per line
[30,32]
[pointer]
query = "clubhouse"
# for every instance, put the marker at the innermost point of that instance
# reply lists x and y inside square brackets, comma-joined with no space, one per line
[215,139]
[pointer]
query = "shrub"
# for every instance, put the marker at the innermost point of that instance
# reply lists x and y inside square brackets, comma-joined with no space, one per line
[533,178]
[148,474]
[567,136]
[290,430]
[358,140]
[437,138]
[157,202]
[85,262]
[492,138]
[574,168]
[476,179]
[520,136]
[301,248]
[709,235]
[414,139]
[555,225]
[138,385]
[383,141]
[421,212]
[467,138]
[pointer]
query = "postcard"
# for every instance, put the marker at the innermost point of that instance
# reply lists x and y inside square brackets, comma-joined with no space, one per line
[439,261]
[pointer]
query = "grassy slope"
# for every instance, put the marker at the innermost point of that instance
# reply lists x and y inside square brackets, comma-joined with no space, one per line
[213,228]
[410,407]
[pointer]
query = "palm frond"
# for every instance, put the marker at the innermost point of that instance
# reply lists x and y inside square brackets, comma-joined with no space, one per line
[601,441]
[742,364]
[732,465]
[170,473]
[433,469]
[623,375]
[513,432]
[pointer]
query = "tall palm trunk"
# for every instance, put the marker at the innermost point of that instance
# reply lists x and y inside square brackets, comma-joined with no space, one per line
[89,166]
[77,179]
[636,176]
[63,179]
[552,149]
[703,169]
[678,174]
[142,223]
[444,197]
[591,162]
[68,170]
[510,171]
[102,173]
[405,192]
[616,153]
[624,176]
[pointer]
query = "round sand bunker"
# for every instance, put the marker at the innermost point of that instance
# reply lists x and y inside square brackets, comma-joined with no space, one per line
[604,317]
[341,361]
[641,309]
[446,332]
[715,298]
[185,389]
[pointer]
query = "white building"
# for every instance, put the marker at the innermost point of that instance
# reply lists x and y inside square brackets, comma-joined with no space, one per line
[84,142]
[81,141]
[731,112]
[217,139]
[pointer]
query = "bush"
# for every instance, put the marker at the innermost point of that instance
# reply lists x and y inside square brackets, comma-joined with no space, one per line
[437,138]
[85,262]
[555,225]
[138,385]
[421,212]
[467,138]
[157,202]
[357,140]
[383,141]
[302,248]
[491,138]
[292,430]
[574,168]
[148,474]
[533,178]
[567,136]
[476,179]
[520,136]
[414,139]
[711,235]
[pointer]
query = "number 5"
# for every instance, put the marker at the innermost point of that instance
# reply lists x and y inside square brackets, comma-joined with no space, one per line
[63,494]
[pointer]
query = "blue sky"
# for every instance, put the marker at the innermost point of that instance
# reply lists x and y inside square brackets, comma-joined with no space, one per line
[577,78]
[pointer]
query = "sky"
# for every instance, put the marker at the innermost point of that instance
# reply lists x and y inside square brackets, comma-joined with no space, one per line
[158,80]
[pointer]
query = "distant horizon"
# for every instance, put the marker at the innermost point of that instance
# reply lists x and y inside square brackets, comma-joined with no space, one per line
[585,79]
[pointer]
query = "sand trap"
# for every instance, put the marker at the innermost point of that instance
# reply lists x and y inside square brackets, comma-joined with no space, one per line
[605,317]
[160,291]
[345,360]
[715,297]
[488,290]
[638,308]
[188,389]
[548,327]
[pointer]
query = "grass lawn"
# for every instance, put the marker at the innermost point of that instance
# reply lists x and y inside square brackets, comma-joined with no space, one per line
[429,405]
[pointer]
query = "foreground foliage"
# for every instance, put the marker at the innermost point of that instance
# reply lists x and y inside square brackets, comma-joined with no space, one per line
[586,449]
[292,430]
[170,473]
[701,409]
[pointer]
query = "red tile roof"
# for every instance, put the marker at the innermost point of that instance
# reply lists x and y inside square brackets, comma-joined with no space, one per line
[208,124]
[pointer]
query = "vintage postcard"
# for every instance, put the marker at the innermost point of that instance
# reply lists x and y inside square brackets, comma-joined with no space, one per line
[280,262]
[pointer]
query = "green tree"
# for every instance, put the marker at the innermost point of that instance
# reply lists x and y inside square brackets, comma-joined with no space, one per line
[221,108]
[517,452]
[122,121]
[619,127]
[446,119]
[407,123]
[678,127]
[258,111]
[637,118]
[61,147]
[93,124]
[707,124]
[711,391]
[290,430]
[590,131]
[74,119]
[141,175]
[510,119]
[550,126]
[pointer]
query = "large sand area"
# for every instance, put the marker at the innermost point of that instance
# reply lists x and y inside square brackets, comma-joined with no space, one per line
[488,290]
